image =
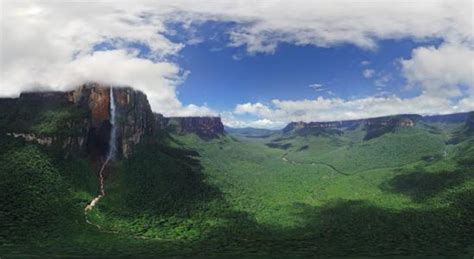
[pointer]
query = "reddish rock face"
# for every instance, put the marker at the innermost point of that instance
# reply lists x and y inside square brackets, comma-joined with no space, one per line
[134,118]
[134,115]
[91,128]
[94,97]
[99,105]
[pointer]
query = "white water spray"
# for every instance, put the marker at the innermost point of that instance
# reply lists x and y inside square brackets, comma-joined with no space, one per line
[113,131]
[110,154]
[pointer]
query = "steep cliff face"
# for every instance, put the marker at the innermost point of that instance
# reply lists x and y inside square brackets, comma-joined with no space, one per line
[135,118]
[379,126]
[204,127]
[80,119]
[374,126]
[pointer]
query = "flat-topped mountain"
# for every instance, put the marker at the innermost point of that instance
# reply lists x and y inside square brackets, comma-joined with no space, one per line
[373,126]
[204,127]
[79,119]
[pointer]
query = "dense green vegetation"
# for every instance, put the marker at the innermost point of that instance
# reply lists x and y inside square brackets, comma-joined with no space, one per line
[42,118]
[406,192]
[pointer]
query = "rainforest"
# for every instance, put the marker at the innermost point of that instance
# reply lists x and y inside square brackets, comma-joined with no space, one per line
[395,185]
[236,129]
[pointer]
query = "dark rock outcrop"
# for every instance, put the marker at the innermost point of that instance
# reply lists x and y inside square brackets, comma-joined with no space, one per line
[204,127]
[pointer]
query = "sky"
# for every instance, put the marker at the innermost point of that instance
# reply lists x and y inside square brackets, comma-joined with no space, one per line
[256,64]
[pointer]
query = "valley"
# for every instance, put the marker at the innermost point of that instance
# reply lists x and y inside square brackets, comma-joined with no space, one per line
[395,185]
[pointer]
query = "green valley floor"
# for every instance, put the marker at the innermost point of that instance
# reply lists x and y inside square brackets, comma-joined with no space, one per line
[404,193]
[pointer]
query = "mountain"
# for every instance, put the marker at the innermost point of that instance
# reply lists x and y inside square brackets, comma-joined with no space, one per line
[204,127]
[79,119]
[447,118]
[373,126]
[251,132]
[376,127]
[181,186]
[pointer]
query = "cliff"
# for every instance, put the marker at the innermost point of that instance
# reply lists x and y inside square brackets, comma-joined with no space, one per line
[79,119]
[205,127]
[374,126]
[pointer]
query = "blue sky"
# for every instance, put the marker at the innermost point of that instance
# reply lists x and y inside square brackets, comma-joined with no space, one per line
[222,77]
[222,81]
[254,63]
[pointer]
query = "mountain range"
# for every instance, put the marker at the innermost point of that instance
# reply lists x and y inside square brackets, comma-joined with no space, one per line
[393,185]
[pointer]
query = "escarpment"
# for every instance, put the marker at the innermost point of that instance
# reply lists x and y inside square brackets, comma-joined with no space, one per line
[79,120]
[204,127]
[373,126]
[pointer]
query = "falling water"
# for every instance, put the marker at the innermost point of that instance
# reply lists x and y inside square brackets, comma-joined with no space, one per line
[110,154]
[113,132]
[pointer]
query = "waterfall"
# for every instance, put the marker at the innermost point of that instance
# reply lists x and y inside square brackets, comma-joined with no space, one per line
[110,154]
[113,131]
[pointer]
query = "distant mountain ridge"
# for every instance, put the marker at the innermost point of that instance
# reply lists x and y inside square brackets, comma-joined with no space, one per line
[205,127]
[406,119]
[374,126]
[250,132]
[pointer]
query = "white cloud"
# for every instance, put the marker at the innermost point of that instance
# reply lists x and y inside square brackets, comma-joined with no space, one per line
[260,124]
[266,24]
[382,79]
[317,87]
[253,108]
[333,109]
[441,71]
[368,73]
[51,43]
[365,62]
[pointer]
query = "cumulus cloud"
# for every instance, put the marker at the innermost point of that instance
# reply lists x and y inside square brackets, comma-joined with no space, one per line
[54,44]
[252,108]
[266,24]
[441,71]
[333,109]
[259,124]
[368,73]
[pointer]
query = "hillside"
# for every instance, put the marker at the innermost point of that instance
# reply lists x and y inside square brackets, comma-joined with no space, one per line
[395,185]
